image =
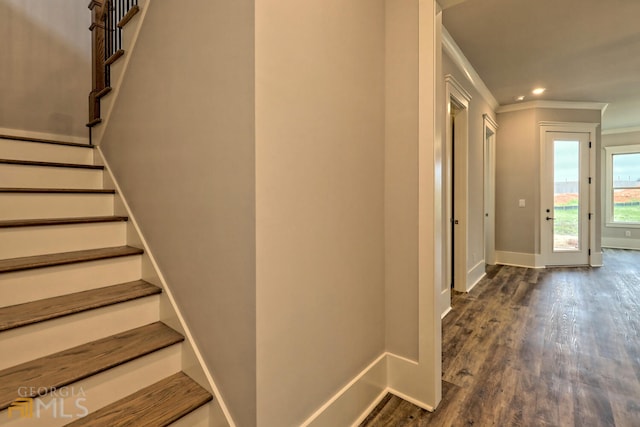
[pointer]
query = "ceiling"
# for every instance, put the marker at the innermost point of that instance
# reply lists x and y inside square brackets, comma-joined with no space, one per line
[579,50]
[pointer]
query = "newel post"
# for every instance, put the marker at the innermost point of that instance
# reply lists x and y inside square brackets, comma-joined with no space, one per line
[97,28]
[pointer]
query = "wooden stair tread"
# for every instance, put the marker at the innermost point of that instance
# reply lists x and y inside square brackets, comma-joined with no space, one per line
[94,122]
[50,260]
[74,364]
[55,190]
[45,141]
[49,164]
[103,92]
[60,221]
[128,16]
[158,405]
[38,311]
[113,58]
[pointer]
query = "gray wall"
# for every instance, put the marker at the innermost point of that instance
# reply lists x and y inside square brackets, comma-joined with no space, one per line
[181,144]
[45,71]
[320,199]
[401,178]
[518,175]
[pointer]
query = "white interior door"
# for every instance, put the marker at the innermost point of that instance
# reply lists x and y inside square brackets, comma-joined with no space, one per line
[565,199]
[489,191]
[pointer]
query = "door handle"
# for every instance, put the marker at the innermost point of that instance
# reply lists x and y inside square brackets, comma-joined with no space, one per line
[548,218]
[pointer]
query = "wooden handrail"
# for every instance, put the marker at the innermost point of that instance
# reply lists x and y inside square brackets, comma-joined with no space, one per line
[98,13]
[107,19]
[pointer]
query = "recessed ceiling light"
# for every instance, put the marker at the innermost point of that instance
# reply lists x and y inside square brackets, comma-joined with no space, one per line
[520,98]
[538,91]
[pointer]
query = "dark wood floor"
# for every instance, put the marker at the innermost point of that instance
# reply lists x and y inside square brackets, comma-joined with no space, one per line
[554,347]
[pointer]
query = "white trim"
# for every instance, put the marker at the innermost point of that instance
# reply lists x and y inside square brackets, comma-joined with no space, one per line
[490,120]
[411,400]
[457,56]
[455,93]
[620,243]
[370,408]
[44,135]
[577,127]
[458,91]
[489,137]
[621,130]
[346,407]
[559,105]
[519,259]
[342,408]
[595,260]
[447,311]
[475,275]
[166,290]
[610,151]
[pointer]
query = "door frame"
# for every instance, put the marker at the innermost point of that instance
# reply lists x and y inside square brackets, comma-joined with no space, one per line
[490,130]
[571,127]
[454,92]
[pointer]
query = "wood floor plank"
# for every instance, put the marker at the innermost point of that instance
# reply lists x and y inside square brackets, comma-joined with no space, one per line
[50,164]
[59,221]
[155,406]
[550,347]
[49,260]
[68,366]
[19,190]
[51,308]
[46,141]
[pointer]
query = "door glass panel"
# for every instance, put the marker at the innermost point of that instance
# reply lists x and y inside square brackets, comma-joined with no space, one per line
[566,196]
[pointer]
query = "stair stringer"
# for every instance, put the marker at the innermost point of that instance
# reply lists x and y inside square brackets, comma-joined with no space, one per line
[192,361]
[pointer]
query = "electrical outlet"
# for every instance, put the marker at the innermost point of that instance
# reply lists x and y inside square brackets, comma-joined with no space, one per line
[521,203]
[627,233]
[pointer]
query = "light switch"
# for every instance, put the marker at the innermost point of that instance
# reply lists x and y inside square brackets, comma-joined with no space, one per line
[521,203]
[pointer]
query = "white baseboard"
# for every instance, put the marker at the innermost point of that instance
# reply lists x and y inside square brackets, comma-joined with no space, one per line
[351,405]
[620,243]
[44,135]
[355,399]
[519,259]
[445,312]
[476,274]
[595,260]
[445,302]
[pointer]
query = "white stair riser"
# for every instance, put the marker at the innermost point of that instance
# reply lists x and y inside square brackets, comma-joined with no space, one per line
[28,176]
[34,151]
[27,241]
[56,205]
[107,387]
[40,339]
[30,285]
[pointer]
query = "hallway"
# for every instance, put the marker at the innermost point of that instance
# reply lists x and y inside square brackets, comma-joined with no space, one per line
[554,347]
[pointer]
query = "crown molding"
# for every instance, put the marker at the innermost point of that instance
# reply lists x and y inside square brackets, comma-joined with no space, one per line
[621,130]
[455,53]
[560,105]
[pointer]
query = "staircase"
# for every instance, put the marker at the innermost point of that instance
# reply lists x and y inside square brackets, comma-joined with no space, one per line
[81,341]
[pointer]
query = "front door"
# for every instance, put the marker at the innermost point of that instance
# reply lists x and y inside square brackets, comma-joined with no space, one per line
[565,199]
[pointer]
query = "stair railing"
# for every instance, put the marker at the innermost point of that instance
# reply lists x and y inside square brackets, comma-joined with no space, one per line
[107,19]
